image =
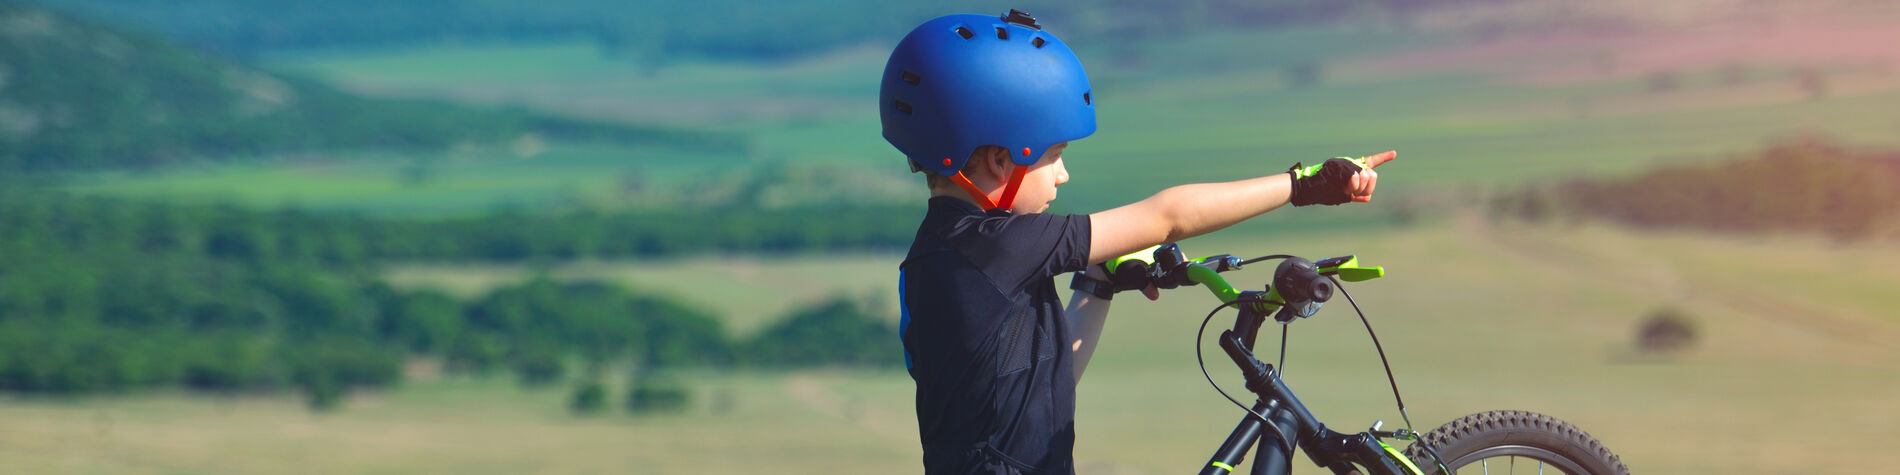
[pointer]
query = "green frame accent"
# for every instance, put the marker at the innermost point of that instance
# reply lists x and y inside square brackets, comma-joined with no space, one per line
[1401,458]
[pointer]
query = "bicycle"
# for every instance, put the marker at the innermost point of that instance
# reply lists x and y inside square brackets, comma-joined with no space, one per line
[1279,424]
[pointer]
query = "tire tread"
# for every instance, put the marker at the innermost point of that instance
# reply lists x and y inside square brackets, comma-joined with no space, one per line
[1502,424]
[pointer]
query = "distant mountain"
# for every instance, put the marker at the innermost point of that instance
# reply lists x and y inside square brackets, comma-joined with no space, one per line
[78,94]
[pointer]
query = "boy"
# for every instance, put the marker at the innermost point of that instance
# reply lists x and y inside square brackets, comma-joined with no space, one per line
[987,105]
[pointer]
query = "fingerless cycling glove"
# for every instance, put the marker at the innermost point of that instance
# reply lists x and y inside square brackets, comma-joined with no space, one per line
[1325,183]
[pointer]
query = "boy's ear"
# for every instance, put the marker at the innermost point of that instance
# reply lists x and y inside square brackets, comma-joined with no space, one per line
[996,161]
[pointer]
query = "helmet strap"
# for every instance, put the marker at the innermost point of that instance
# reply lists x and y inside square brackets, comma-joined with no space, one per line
[983,199]
[1015,182]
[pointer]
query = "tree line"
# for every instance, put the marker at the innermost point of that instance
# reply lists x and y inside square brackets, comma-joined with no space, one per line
[1803,185]
[51,219]
[102,294]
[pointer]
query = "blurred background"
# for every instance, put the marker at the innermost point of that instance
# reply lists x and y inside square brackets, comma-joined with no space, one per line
[587,236]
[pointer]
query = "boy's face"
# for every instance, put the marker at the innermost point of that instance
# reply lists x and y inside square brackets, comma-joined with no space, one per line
[1039,184]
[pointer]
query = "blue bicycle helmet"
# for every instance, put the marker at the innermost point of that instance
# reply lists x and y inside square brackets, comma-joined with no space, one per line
[960,82]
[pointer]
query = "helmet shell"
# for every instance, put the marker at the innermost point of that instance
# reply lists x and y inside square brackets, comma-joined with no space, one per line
[959,82]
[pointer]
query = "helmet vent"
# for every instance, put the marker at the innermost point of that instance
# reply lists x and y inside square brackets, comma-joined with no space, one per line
[1021,18]
[1001,33]
[1085,99]
[965,33]
[903,107]
[912,78]
[1037,42]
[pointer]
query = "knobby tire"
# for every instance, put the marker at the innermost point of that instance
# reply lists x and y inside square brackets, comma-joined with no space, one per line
[1465,441]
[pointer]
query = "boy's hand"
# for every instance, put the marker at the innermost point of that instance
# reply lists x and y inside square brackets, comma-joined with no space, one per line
[1338,180]
[1100,273]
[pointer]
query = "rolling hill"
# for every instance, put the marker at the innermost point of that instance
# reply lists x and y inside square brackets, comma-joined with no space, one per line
[77,94]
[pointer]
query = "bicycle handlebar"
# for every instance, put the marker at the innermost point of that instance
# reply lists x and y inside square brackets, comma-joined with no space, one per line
[1298,284]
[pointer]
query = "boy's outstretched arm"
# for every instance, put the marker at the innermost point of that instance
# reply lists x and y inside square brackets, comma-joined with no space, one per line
[1186,211]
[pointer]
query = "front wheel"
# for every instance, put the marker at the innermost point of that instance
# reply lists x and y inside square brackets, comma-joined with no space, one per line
[1506,441]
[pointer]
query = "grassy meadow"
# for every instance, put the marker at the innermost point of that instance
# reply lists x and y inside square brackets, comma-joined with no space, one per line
[1792,350]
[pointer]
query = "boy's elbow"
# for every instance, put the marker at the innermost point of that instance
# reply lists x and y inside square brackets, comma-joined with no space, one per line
[1174,227]
[1176,235]
[1173,216]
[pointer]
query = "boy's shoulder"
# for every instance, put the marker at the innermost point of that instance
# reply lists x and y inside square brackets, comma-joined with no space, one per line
[1006,246]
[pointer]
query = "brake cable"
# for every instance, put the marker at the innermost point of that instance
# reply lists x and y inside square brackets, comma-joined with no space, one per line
[1400,400]
[1203,361]
[1381,349]
[1264,258]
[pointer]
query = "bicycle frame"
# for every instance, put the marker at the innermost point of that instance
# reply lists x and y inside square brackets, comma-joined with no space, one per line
[1327,448]
[1333,450]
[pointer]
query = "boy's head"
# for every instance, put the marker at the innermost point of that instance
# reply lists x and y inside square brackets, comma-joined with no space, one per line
[965,88]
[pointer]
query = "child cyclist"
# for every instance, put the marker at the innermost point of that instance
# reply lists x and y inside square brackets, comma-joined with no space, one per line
[986,105]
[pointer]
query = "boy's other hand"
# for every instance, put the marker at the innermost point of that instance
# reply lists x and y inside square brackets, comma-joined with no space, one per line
[1100,273]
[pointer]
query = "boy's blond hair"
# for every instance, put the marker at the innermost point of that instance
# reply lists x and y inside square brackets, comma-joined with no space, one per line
[942,183]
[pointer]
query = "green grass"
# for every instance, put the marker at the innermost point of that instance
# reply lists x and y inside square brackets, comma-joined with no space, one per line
[465,180]
[1477,316]
[577,77]
[452,425]
[747,292]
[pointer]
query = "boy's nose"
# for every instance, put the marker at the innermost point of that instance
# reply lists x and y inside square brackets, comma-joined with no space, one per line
[1062,172]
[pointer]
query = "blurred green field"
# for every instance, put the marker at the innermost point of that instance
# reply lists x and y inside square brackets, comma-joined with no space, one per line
[747,292]
[528,173]
[1795,347]
[1172,110]
[1795,371]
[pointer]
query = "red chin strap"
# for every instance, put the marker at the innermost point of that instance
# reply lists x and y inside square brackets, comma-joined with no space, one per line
[1009,190]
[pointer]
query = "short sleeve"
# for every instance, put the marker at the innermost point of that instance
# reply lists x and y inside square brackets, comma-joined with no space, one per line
[1015,249]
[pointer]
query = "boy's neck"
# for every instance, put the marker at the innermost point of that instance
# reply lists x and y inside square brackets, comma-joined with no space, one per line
[956,193]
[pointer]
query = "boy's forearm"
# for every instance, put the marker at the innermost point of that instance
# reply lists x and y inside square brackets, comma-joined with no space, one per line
[1184,211]
[1088,314]
[1203,208]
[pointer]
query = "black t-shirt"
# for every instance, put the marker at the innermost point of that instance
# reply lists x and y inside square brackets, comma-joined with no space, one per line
[986,340]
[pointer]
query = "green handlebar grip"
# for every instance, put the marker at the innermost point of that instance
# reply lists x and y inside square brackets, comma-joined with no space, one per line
[1348,269]
[1144,255]
[1360,274]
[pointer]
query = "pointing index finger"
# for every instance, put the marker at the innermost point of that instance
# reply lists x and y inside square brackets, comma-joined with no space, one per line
[1375,160]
